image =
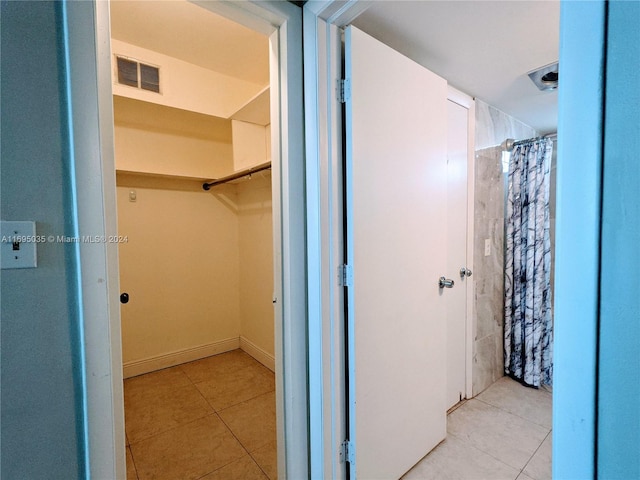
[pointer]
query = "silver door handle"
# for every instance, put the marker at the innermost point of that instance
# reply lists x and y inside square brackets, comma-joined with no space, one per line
[445,282]
[465,271]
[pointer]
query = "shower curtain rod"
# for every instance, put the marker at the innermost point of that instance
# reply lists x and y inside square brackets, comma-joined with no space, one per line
[234,176]
[509,143]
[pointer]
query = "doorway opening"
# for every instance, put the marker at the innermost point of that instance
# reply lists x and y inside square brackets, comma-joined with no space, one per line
[196,264]
[485,262]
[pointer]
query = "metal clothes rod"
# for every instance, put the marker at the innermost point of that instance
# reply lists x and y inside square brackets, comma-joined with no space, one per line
[234,176]
[509,143]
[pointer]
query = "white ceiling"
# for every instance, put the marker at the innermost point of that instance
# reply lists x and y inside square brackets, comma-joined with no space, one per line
[186,31]
[484,48]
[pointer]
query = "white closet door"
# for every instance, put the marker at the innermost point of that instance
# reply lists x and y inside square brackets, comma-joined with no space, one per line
[396,170]
[457,256]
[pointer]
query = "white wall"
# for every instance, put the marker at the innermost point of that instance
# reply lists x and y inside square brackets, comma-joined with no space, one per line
[184,85]
[255,222]
[180,268]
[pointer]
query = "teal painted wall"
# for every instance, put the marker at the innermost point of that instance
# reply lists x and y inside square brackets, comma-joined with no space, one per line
[619,359]
[596,410]
[40,389]
[577,256]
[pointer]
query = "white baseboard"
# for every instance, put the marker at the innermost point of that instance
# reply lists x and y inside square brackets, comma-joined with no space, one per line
[258,353]
[151,364]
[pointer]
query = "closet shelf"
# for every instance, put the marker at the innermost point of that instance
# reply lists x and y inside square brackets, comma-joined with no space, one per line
[167,176]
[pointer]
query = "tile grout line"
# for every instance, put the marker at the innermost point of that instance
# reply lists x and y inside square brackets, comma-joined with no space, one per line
[512,413]
[534,453]
[259,466]
[172,428]
[214,411]
[515,415]
[133,460]
[470,444]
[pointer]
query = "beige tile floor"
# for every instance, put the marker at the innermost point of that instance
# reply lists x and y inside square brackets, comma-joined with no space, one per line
[502,434]
[211,419]
[214,419]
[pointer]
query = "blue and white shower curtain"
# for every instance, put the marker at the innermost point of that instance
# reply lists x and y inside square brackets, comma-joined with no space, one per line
[528,329]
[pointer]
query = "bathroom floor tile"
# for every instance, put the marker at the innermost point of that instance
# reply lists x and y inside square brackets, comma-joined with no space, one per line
[524,476]
[208,368]
[155,410]
[506,437]
[529,403]
[243,469]
[456,459]
[267,458]
[187,452]
[539,467]
[232,387]
[253,422]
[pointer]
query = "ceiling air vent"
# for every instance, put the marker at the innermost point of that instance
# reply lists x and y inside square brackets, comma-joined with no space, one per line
[545,78]
[137,74]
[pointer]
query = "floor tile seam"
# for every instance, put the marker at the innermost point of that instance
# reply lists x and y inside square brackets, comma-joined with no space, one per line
[172,428]
[236,437]
[546,427]
[228,429]
[185,372]
[534,454]
[163,391]
[231,372]
[235,404]
[214,379]
[258,463]
[215,410]
[462,439]
[247,400]
[133,460]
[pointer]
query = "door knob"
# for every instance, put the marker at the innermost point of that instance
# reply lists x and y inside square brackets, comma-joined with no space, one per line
[124,298]
[465,271]
[445,282]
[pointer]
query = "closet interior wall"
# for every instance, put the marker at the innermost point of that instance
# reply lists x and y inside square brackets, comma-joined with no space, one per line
[197,265]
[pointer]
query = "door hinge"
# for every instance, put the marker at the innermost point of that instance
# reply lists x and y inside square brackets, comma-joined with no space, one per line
[347,453]
[344,90]
[345,276]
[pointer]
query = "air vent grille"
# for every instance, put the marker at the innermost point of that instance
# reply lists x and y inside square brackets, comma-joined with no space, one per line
[137,74]
[545,78]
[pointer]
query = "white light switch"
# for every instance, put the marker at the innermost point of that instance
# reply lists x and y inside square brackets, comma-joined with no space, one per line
[18,247]
[487,247]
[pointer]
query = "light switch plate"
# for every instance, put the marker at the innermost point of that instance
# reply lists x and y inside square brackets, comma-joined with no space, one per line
[18,247]
[487,247]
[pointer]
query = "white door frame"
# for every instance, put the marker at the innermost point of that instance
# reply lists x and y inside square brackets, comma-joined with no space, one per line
[468,102]
[325,241]
[88,81]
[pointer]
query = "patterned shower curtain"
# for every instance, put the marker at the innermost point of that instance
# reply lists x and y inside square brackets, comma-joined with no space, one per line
[528,333]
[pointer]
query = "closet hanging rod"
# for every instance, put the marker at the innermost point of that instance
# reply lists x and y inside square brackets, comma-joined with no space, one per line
[234,176]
